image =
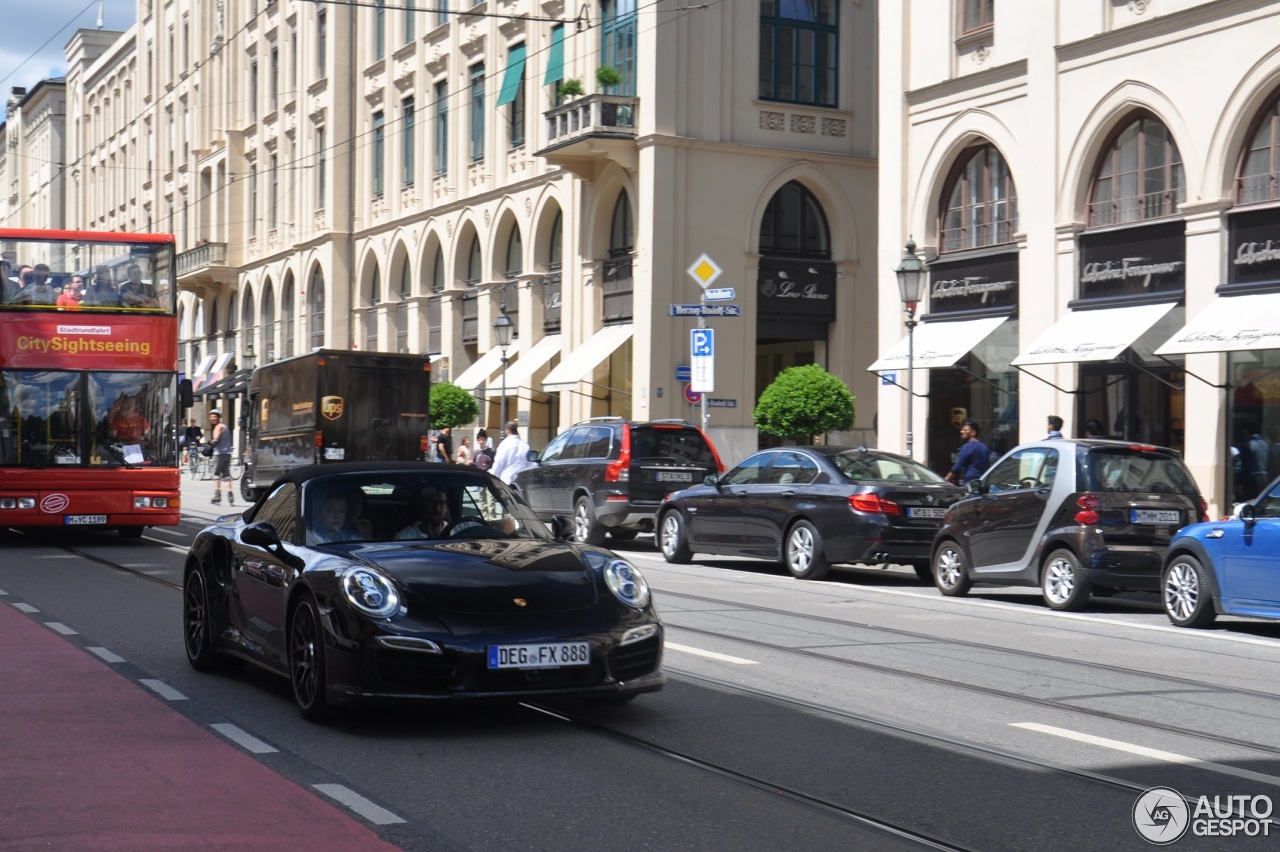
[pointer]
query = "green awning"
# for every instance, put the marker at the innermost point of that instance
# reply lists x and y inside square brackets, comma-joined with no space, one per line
[515,75]
[555,57]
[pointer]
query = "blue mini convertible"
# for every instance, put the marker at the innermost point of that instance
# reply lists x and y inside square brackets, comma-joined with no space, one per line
[1230,567]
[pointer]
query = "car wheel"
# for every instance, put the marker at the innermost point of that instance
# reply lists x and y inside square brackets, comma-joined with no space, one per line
[950,573]
[803,552]
[307,661]
[1062,582]
[197,625]
[585,528]
[1187,601]
[247,491]
[131,532]
[673,539]
[623,535]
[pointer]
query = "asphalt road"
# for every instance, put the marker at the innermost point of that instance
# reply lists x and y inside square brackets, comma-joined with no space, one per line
[863,712]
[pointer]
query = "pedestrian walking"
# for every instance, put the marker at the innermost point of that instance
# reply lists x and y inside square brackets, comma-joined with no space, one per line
[482,456]
[512,455]
[974,458]
[221,440]
[464,451]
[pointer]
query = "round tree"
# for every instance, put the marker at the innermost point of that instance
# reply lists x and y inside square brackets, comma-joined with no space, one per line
[803,402]
[451,406]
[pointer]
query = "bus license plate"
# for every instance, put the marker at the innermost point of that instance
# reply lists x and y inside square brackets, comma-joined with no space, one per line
[551,655]
[1156,516]
[83,520]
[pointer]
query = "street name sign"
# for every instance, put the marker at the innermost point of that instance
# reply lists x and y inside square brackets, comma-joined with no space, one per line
[719,294]
[684,373]
[704,310]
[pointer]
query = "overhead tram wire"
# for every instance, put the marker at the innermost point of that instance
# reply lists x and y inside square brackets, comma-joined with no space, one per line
[36,53]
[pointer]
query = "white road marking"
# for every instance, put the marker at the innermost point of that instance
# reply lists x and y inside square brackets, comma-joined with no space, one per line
[59,627]
[3,592]
[27,608]
[163,689]
[711,655]
[168,531]
[1143,751]
[367,809]
[107,656]
[243,738]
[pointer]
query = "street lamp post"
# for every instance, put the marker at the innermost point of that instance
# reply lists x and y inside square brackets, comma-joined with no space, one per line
[502,328]
[911,274]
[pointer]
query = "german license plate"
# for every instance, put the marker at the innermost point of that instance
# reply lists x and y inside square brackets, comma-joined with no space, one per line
[551,655]
[83,520]
[1156,516]
[334,454]
[925,511]
[673,476]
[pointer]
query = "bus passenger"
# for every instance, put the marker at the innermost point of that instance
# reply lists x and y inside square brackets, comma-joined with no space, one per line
[71,293]
[134,292]
[42,291]
[103,292]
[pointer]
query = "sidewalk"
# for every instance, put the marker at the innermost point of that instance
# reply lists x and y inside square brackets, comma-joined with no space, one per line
[90,760]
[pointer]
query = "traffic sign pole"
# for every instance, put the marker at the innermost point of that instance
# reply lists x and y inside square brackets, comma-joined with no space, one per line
[702,323]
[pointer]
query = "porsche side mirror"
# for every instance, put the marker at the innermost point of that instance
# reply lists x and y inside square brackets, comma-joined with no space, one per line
[262,534]
[1248,515]
[561,528]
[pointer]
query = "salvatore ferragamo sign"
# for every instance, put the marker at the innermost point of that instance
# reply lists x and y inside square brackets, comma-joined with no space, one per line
[1138,261]
[987,283]
[1253,245]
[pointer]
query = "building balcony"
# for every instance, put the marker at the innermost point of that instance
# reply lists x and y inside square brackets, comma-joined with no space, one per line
[205,267]
[589,128]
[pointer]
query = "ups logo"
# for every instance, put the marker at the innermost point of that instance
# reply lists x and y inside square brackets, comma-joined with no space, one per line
[331,407]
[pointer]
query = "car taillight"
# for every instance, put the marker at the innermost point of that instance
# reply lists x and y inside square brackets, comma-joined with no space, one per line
[714,454]
[319,439]
[620,470]
[1204,510]
[873,503]
[1087,504]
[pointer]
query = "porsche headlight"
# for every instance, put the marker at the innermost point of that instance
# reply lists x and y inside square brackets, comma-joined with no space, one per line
[370,592]
[627,583]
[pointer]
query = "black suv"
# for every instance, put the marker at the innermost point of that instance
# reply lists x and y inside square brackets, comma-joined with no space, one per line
[1068,516]
[612,474]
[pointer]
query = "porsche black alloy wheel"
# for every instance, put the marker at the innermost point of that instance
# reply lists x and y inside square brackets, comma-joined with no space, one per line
[197,632]
[306,661]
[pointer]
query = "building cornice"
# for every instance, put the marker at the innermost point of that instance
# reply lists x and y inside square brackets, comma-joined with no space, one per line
[1221,14]
[654,140]
[1010,72]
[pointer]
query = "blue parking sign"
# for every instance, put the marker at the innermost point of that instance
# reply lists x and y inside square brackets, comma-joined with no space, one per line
[702,342]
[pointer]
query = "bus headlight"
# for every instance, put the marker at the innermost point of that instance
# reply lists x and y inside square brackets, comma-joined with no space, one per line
[17,502]
[150,502]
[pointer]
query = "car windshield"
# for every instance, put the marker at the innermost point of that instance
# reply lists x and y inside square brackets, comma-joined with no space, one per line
[1128,469]
[862,466]
[394,506]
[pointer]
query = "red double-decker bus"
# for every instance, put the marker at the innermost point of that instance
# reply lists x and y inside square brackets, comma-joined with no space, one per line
[89,395]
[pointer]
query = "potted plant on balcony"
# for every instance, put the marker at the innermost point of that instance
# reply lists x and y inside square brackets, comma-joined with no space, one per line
[571,88]
[608,76]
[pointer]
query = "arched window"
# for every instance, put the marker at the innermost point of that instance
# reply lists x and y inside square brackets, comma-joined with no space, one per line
[515,254]
[372,298]
[247,330]
[1139,175]
[617,288]
[510,290]
[555,251]
[474,267]
[287,314]
[315,298]
[1259,178]
[980,206]
[402,308]
[437,272]
[269,323]
[794,224]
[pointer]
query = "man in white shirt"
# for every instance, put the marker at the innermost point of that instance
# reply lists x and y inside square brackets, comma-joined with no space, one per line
[512,456]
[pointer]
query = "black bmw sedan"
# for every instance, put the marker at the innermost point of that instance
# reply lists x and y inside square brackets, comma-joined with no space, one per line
[387,581]
[811,507]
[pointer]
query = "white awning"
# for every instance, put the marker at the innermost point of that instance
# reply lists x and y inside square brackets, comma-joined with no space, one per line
[520,374]
[205,363]
[221,364]
[437,358]
[938,344]
[1230,324]
[475,376]
[1098,335]
[576,367]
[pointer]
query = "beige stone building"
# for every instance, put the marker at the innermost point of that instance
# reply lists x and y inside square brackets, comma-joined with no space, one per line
[1095,185]
[392,178]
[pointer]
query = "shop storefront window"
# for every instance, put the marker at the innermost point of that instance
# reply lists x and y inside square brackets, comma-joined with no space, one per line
[1253,452]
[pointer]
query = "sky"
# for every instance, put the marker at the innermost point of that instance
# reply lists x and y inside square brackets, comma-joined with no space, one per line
[35,38]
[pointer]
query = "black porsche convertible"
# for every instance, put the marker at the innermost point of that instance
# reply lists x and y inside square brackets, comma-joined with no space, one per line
[387,581]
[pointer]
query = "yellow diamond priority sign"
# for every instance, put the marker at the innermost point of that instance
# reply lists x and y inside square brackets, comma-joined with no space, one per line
[705,271]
